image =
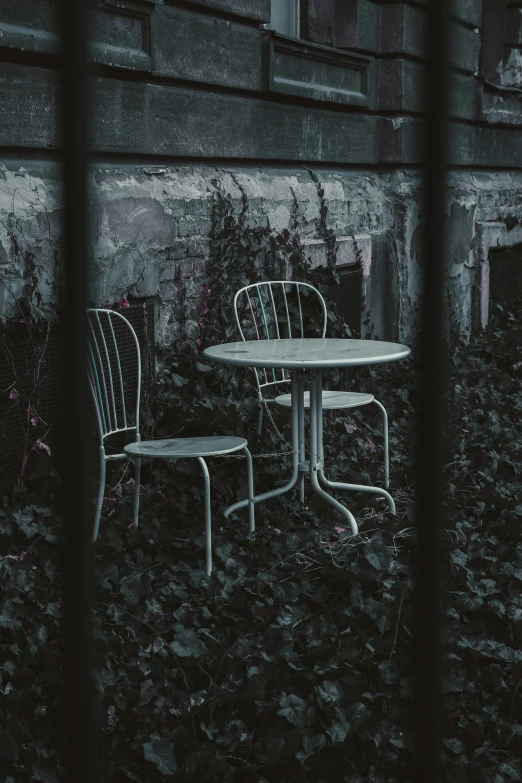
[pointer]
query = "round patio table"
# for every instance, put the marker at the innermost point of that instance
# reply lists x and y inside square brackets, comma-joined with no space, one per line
[306,358]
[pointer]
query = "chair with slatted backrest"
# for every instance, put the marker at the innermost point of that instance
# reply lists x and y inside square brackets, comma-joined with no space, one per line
[274,310]
[114,374]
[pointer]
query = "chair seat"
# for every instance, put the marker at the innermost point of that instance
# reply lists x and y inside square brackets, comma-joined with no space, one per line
[331,399]
[178,448]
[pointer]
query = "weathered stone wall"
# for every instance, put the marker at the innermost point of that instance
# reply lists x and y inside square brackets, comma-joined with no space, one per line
[151,225]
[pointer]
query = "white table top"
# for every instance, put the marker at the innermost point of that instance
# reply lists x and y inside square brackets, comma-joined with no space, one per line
[305,353]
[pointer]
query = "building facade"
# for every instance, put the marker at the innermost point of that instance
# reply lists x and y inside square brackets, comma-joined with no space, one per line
[286,105]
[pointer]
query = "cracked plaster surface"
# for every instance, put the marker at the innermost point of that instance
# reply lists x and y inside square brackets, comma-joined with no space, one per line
[151,225]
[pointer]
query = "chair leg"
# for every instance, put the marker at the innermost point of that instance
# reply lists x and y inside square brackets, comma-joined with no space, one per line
[137,477]
[101,491]
[386,444]
[208,520]
[260,419]
[250,479]
[301,438]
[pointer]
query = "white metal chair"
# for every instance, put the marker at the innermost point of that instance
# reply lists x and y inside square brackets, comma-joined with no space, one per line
[114,372]
[274,310]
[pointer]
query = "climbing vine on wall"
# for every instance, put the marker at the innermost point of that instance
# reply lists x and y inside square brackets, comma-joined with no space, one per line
[29,350]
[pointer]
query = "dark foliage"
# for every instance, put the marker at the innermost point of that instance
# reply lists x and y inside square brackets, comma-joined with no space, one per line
[292,662]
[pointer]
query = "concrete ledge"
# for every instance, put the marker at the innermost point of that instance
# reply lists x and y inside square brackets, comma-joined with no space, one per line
[316,251]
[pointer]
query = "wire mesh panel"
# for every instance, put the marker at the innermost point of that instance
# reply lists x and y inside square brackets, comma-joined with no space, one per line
[29,402]
[30,406]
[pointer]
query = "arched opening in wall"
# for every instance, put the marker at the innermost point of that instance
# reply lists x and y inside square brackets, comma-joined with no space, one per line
[505,277]
[346,292]
[494,241]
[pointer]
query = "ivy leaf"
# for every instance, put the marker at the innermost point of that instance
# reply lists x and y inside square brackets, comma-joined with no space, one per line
[329,692]
[454,744]
[8,746]
[161,753]
[187,643]
[131,589]
[8,618]
[178,380]
[372,557]
[510,769]
[469,602]
[26,523]
[311,745]
[458,557]
[293,708]
[338,730]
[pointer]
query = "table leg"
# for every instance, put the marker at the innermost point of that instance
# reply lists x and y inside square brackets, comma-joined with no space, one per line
[342,484]
[296,391]
[302,442]
[316,417]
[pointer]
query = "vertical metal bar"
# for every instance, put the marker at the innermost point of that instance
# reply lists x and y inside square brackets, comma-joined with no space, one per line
[109,370]
[102,374]
[282,372]
[300,308]
[274,309]
[287,313]
[99,399]
[429,505]
[122,391]
[236,313]
[263,314]
[99,412]
[255,326]
[267,331]
[325,312]
[81,738]
[302,439]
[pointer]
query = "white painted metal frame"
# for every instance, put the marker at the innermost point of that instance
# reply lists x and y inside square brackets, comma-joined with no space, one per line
[314,465]
[113,403]
[101,382]
[266,322]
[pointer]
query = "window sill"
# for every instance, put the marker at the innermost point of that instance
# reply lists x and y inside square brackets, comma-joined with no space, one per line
[321,73]
[501,105]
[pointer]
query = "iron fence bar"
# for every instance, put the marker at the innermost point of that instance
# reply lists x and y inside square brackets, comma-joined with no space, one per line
[81,740]
[429,499]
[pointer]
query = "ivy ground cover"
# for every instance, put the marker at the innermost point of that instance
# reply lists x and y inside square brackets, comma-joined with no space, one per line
[293,662]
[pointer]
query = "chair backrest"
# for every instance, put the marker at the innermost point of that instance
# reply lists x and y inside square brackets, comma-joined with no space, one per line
[274,310]
[114,370]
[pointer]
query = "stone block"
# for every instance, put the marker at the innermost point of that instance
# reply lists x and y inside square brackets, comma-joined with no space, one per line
[186,227]
[200,47]
[315,251]
[177,250]
[198,248]
[469,11]
[190,271]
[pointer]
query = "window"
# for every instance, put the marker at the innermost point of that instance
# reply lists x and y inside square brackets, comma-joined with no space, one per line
[327,22]
[501,52]
[285,17]
[303,56]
